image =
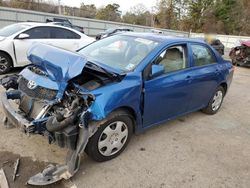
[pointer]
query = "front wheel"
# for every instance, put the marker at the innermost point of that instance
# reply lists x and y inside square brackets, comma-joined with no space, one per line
[5,63]
[111,137]
[215,102]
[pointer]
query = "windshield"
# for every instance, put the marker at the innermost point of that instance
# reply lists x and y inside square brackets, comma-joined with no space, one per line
[110,30]
[12,29]
[120,51]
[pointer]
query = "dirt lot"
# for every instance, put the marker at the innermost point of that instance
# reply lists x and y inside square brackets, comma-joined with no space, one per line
[194,151]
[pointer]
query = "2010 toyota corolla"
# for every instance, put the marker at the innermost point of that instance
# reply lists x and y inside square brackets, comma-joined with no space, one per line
[95,99]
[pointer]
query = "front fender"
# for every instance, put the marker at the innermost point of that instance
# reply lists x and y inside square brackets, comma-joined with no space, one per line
[126,93]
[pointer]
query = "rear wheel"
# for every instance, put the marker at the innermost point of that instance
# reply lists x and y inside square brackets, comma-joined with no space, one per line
[215,102]
[111,138]
[5,63]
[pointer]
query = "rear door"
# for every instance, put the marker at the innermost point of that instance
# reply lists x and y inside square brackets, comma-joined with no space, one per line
[64,38]
[205,75]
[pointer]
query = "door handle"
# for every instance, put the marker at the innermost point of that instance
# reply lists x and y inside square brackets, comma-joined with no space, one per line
[188,79]
[217,71]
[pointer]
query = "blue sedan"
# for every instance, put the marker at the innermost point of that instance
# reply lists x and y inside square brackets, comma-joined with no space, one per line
[95,99]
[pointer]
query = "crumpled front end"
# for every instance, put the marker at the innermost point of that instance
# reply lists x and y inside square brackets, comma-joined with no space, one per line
[46,102]
[39,102]
[38,111]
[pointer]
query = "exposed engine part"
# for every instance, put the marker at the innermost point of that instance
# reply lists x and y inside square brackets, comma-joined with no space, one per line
[9,81]
[91,85]
[57,123]
[67,138]
[38,71]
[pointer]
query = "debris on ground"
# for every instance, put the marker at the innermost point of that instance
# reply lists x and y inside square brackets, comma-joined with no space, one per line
[142,149]
[3,180]
[25,169]
[16,169]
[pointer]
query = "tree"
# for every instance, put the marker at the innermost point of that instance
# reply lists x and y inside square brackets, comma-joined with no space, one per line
[138,15]
[167,14]
[229,13]
[110,13]
[197,9]
[88,11]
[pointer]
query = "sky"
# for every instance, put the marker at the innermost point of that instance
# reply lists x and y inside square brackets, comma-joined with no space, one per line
[124,4]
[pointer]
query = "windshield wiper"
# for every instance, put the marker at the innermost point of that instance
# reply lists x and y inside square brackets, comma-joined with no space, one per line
[108,73]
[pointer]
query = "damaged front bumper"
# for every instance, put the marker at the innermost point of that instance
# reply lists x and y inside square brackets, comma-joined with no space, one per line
[52,173]
[12,116]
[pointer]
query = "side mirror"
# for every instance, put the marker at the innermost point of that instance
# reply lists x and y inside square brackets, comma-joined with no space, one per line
[23,36]
[157,70]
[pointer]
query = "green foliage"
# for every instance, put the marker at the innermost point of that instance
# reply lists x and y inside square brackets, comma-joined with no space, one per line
[138,15]
[88,11]
[228,11]
[110,12]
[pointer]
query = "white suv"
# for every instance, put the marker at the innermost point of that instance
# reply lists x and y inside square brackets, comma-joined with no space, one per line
[16,39]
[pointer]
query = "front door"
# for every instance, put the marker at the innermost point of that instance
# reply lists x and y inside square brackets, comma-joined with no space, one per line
[168,95]
[21,46]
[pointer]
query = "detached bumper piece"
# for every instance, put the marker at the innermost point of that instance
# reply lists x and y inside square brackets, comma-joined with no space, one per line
[53,173]
[56,173]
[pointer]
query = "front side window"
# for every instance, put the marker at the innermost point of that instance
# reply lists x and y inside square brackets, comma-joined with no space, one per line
[173,59]
[120,51]
[39,33]
[202,55]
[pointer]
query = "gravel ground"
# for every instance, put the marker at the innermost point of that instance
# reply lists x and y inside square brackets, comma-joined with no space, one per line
[196,150]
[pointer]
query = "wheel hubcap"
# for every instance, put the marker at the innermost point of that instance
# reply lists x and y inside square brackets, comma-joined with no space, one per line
[217,100]
[3,64]
[113,138]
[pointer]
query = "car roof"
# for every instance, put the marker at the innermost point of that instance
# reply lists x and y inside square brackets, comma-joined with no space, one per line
[162,38]
[52,24]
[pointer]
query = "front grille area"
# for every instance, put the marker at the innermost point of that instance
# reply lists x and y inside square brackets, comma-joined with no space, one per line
[38,92]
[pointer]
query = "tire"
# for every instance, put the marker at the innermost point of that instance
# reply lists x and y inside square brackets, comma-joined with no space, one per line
[114,132]
[5,63]
[214,107]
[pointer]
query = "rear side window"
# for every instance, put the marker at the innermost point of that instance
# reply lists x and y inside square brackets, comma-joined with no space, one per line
[60,33]
[39,33]
[202,55]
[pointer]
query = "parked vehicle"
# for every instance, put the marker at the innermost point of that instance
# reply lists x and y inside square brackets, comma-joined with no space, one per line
[217,45]
[110,32]
[240,55]
[16,39]
[94,100]
[66,23]
[156,31]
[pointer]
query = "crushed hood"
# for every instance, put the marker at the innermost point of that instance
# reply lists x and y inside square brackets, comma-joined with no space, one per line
[61,65]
